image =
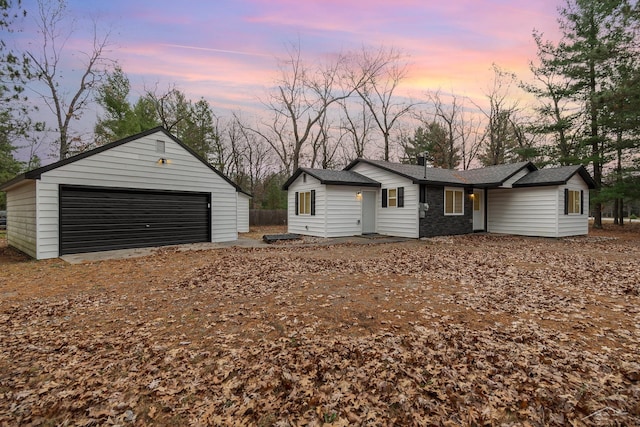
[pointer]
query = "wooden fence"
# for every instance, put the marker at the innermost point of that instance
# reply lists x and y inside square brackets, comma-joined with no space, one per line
[267,217]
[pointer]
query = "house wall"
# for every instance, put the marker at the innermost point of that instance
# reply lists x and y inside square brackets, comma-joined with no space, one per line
[310,225]
[531,211]
[243,213]
[573,225]
[343,211]
[436,223]
[401,222]
[21,218]
[135,165]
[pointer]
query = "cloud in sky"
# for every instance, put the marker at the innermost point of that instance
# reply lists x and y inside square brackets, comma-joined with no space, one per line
[225,50]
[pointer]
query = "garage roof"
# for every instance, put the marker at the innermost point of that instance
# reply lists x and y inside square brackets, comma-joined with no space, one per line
[37,173]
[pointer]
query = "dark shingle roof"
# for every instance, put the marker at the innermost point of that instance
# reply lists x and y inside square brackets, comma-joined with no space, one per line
[554,176]
[488,176]
[495,175]
[415,173]
[334,177]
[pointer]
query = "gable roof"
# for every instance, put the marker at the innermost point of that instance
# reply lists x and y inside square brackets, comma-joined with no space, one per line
[555,176]
[37,173]
[486,177]
[415,173]
[494,176]
[333,177]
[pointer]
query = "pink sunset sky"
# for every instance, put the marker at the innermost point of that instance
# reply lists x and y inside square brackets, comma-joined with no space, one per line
[226,50]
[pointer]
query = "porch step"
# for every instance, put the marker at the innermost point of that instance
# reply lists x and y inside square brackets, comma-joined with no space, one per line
[272,238]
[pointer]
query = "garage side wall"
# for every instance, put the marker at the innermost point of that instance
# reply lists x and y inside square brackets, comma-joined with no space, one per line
[21,218]
[136,164]
[243,213]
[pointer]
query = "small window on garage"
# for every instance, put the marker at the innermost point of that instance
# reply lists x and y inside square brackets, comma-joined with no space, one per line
[160,146]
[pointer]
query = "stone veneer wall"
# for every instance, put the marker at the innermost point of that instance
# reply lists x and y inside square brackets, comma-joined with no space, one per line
[437,224]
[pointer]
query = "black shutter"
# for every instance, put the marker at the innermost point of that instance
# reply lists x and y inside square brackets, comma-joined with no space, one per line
[384,197]
[581,202]
[296,203]
[401,197]
[423,193]
[313,202]
[566,201]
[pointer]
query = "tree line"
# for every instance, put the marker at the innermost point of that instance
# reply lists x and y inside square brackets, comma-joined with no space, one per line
[323,114]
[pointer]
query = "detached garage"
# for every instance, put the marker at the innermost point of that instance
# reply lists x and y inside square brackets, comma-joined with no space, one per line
[143,191]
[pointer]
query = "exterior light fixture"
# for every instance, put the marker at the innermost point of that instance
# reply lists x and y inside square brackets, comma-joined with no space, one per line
[359,195]
[163,161]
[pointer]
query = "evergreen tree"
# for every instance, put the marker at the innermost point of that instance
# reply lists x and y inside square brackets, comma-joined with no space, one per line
[596,34]
[13,120]
[120,119]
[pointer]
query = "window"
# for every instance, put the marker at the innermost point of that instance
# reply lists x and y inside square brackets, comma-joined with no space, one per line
[306,203]
[453,202]
[393,197]
[572,202]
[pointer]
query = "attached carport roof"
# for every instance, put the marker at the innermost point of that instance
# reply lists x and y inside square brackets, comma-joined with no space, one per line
[37,173]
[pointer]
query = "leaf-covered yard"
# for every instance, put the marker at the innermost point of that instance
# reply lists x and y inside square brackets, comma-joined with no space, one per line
[466,330]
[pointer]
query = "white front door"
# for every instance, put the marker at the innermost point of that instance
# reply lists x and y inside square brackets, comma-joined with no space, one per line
[478,210]
[368,212]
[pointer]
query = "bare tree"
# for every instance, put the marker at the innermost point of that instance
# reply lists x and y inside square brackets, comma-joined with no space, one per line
[252,158]
[47,63]
[470,131]
[499,139]
[302,99]
[385,73]
[357,124]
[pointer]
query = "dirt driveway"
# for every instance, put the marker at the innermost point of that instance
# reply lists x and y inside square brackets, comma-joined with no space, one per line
[477,329]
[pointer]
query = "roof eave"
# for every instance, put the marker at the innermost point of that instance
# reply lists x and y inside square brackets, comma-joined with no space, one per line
[14,181]
[351,183]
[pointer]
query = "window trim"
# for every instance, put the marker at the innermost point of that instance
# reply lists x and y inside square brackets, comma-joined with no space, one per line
[573,201]
[454,191]
[398,198]
[392,200]
[304,202]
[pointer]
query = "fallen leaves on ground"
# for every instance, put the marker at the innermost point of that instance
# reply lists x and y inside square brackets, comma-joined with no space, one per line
[466,330]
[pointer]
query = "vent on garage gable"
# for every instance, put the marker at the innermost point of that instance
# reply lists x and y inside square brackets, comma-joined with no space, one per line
[159,146]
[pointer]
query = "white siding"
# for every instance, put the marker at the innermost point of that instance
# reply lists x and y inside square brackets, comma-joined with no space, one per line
[21,218]
[311,225]
[135,165]
[401,222]
[523,211]
[573,225]
[344,211]
[243,213]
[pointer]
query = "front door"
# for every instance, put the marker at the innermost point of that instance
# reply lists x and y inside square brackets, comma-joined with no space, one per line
[478,210]
[368,212]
